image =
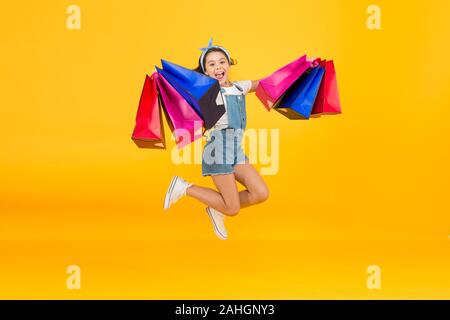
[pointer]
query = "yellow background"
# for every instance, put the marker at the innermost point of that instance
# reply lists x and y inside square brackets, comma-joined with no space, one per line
[367,187]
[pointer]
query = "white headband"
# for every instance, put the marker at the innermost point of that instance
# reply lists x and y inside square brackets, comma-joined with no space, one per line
[205,50]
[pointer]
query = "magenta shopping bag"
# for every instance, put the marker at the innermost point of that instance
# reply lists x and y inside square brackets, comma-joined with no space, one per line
[271,88]
[185,123]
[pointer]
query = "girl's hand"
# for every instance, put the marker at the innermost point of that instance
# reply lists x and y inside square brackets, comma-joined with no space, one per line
[315,62]
[255,84]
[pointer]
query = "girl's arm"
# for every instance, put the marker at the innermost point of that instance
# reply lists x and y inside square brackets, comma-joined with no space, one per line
[254,85]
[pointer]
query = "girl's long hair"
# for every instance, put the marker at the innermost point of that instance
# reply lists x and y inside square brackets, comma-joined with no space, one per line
[199,67]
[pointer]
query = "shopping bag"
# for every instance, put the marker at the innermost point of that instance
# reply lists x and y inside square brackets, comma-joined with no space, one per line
[200,91]
[271,88]
[298,101]
[185,124]
[327,101]
[149,129]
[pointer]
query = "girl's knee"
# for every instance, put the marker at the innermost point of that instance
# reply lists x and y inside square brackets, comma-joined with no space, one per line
[265,194]
[262,194]
[233,209]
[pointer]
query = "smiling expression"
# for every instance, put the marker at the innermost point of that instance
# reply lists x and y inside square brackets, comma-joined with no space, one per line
[217,66]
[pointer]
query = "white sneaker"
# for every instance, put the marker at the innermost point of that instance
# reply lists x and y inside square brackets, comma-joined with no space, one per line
[177,189]
[217,219]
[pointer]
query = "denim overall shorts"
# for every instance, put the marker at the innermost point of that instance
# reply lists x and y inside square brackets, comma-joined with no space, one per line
[223,149]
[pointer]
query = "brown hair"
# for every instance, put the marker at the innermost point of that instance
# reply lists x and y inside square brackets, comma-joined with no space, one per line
[199,67]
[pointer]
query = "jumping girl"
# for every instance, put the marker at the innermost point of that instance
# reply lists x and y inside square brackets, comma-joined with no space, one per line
[223,157]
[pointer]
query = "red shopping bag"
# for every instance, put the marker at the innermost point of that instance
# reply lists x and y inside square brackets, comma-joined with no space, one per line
[327,101]
[149,129]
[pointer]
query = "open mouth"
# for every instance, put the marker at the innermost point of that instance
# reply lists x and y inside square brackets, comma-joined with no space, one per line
[220,75]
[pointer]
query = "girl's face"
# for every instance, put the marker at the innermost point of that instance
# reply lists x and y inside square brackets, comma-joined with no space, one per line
[217,66]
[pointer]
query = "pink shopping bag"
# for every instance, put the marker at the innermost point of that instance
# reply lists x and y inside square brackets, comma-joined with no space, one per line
[185,123]
[271,88]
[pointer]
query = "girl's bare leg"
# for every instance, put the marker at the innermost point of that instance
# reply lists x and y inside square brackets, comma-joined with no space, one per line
[225,200]
[257,190]
[228,200]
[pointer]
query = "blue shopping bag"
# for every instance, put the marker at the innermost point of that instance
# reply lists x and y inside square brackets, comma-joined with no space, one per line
[199,90]
[299,99]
